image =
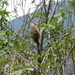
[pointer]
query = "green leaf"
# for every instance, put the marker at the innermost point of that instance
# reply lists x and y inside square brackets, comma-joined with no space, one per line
[19,72]
[36,56]
[30,69]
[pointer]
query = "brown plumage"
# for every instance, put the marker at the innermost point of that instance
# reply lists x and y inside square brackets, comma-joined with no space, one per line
[35,33]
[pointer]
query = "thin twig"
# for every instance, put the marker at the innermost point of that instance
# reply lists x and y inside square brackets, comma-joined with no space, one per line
[53,12]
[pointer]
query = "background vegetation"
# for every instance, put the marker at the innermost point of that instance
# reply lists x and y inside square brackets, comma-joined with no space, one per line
[18,52]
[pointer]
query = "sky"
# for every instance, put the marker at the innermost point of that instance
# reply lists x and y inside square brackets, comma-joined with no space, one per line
[21,7]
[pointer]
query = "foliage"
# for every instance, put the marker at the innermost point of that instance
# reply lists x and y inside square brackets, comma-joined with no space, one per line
[18,56]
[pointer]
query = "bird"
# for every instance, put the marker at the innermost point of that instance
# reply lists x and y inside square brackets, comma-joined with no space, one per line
[35,32]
